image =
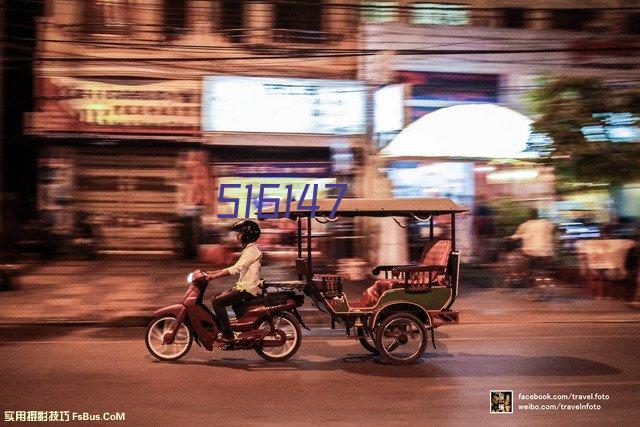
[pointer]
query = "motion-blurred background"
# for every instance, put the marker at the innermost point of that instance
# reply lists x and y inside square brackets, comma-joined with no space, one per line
[122,118]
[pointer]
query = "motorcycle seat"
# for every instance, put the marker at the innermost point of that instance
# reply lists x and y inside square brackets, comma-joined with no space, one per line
[271,299]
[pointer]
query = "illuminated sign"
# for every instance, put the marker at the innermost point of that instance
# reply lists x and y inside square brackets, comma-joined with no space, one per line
[613,127]
[80,105]
[431,91]
[379,11]
[272,169]
[388,109]
[283,105]
[440,14]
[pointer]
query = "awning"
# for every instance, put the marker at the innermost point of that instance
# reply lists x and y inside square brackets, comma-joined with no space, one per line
[470,131]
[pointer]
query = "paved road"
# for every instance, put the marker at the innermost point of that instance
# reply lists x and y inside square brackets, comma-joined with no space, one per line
[331,380]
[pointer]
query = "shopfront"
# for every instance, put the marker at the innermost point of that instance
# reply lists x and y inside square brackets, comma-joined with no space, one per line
[143,160]
[472,153]
[116,155]
[281,136]
[243,176]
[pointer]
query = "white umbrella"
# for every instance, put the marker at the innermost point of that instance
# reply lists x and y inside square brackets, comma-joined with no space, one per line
[479,131]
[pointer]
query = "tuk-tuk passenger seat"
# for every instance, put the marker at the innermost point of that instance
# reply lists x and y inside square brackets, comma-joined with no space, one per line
[434,255]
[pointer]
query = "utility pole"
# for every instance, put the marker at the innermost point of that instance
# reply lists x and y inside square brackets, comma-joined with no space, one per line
[2,131]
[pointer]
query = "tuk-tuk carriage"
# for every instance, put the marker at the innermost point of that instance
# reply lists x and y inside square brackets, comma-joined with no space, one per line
[396,314]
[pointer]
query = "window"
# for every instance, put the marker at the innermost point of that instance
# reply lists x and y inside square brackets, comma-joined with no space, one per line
[299,21]
[633,23]
[174,17]
[106,16]
[232,19]
[440,14]
[379,11]
[571,19]
[513,18]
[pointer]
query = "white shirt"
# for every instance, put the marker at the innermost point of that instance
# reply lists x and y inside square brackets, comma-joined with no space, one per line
[606,254]
[248,265]
[537,237]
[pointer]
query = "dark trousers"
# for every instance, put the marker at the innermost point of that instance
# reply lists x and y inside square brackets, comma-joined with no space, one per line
[220,303]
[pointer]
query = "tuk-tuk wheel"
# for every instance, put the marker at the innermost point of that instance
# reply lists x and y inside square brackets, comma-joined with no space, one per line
[401,338]
[366,341]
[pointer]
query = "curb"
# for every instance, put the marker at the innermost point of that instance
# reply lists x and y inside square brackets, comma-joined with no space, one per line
[313,317]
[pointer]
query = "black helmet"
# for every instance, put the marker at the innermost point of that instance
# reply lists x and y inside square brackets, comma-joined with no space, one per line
[249,231]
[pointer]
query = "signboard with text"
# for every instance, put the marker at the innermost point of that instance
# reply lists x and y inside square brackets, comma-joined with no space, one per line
[66,104]
[283,105]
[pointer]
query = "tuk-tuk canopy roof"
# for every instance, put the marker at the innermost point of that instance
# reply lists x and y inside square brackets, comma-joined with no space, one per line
[421,207]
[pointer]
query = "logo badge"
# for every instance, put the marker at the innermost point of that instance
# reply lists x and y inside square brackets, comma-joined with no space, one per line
[501,402]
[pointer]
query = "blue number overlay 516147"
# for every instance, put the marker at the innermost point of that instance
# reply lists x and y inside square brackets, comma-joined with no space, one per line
[307,202]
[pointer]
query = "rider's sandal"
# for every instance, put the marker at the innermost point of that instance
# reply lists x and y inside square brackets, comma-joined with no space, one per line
[229,340]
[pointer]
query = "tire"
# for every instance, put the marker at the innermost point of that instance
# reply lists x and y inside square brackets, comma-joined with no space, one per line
[154,336]
[365,341]
[398,324]
[292,328]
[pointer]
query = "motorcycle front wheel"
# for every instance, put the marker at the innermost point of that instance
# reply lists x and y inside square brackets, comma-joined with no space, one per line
[154,339]
[289,325]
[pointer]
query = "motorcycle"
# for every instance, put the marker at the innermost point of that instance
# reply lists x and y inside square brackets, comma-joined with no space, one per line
[269,323]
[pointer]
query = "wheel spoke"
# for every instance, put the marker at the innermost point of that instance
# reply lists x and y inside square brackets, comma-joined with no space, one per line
[395,344]
[157,332]
[402,339]
[283,324]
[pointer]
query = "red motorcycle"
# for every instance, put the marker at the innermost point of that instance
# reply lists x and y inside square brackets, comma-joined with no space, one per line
[269,323]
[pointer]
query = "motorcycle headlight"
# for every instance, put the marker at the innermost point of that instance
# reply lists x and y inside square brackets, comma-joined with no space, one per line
[190,278]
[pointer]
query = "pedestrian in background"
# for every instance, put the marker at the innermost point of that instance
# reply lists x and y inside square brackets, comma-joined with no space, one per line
[538,243]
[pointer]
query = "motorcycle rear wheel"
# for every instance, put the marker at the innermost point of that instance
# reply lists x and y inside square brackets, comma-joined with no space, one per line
[289,325]
[155,336]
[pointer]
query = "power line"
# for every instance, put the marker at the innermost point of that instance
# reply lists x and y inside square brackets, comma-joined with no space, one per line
[338,53]
[466,39]
[378,5]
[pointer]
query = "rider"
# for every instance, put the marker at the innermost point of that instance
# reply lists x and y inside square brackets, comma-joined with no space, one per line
[248,284]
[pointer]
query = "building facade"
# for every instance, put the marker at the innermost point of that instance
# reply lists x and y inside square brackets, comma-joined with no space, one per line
[439,54]
[147,106]
[126,90]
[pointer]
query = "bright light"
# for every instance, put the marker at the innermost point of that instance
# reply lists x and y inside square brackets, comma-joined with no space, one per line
[484,168]
[471,130]
[256,104]
[513,175]
[389,109]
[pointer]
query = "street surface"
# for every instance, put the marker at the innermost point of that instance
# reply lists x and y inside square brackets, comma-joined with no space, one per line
[331,380]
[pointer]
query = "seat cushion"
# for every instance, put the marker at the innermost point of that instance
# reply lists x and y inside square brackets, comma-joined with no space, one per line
[436,254]
[372,294]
